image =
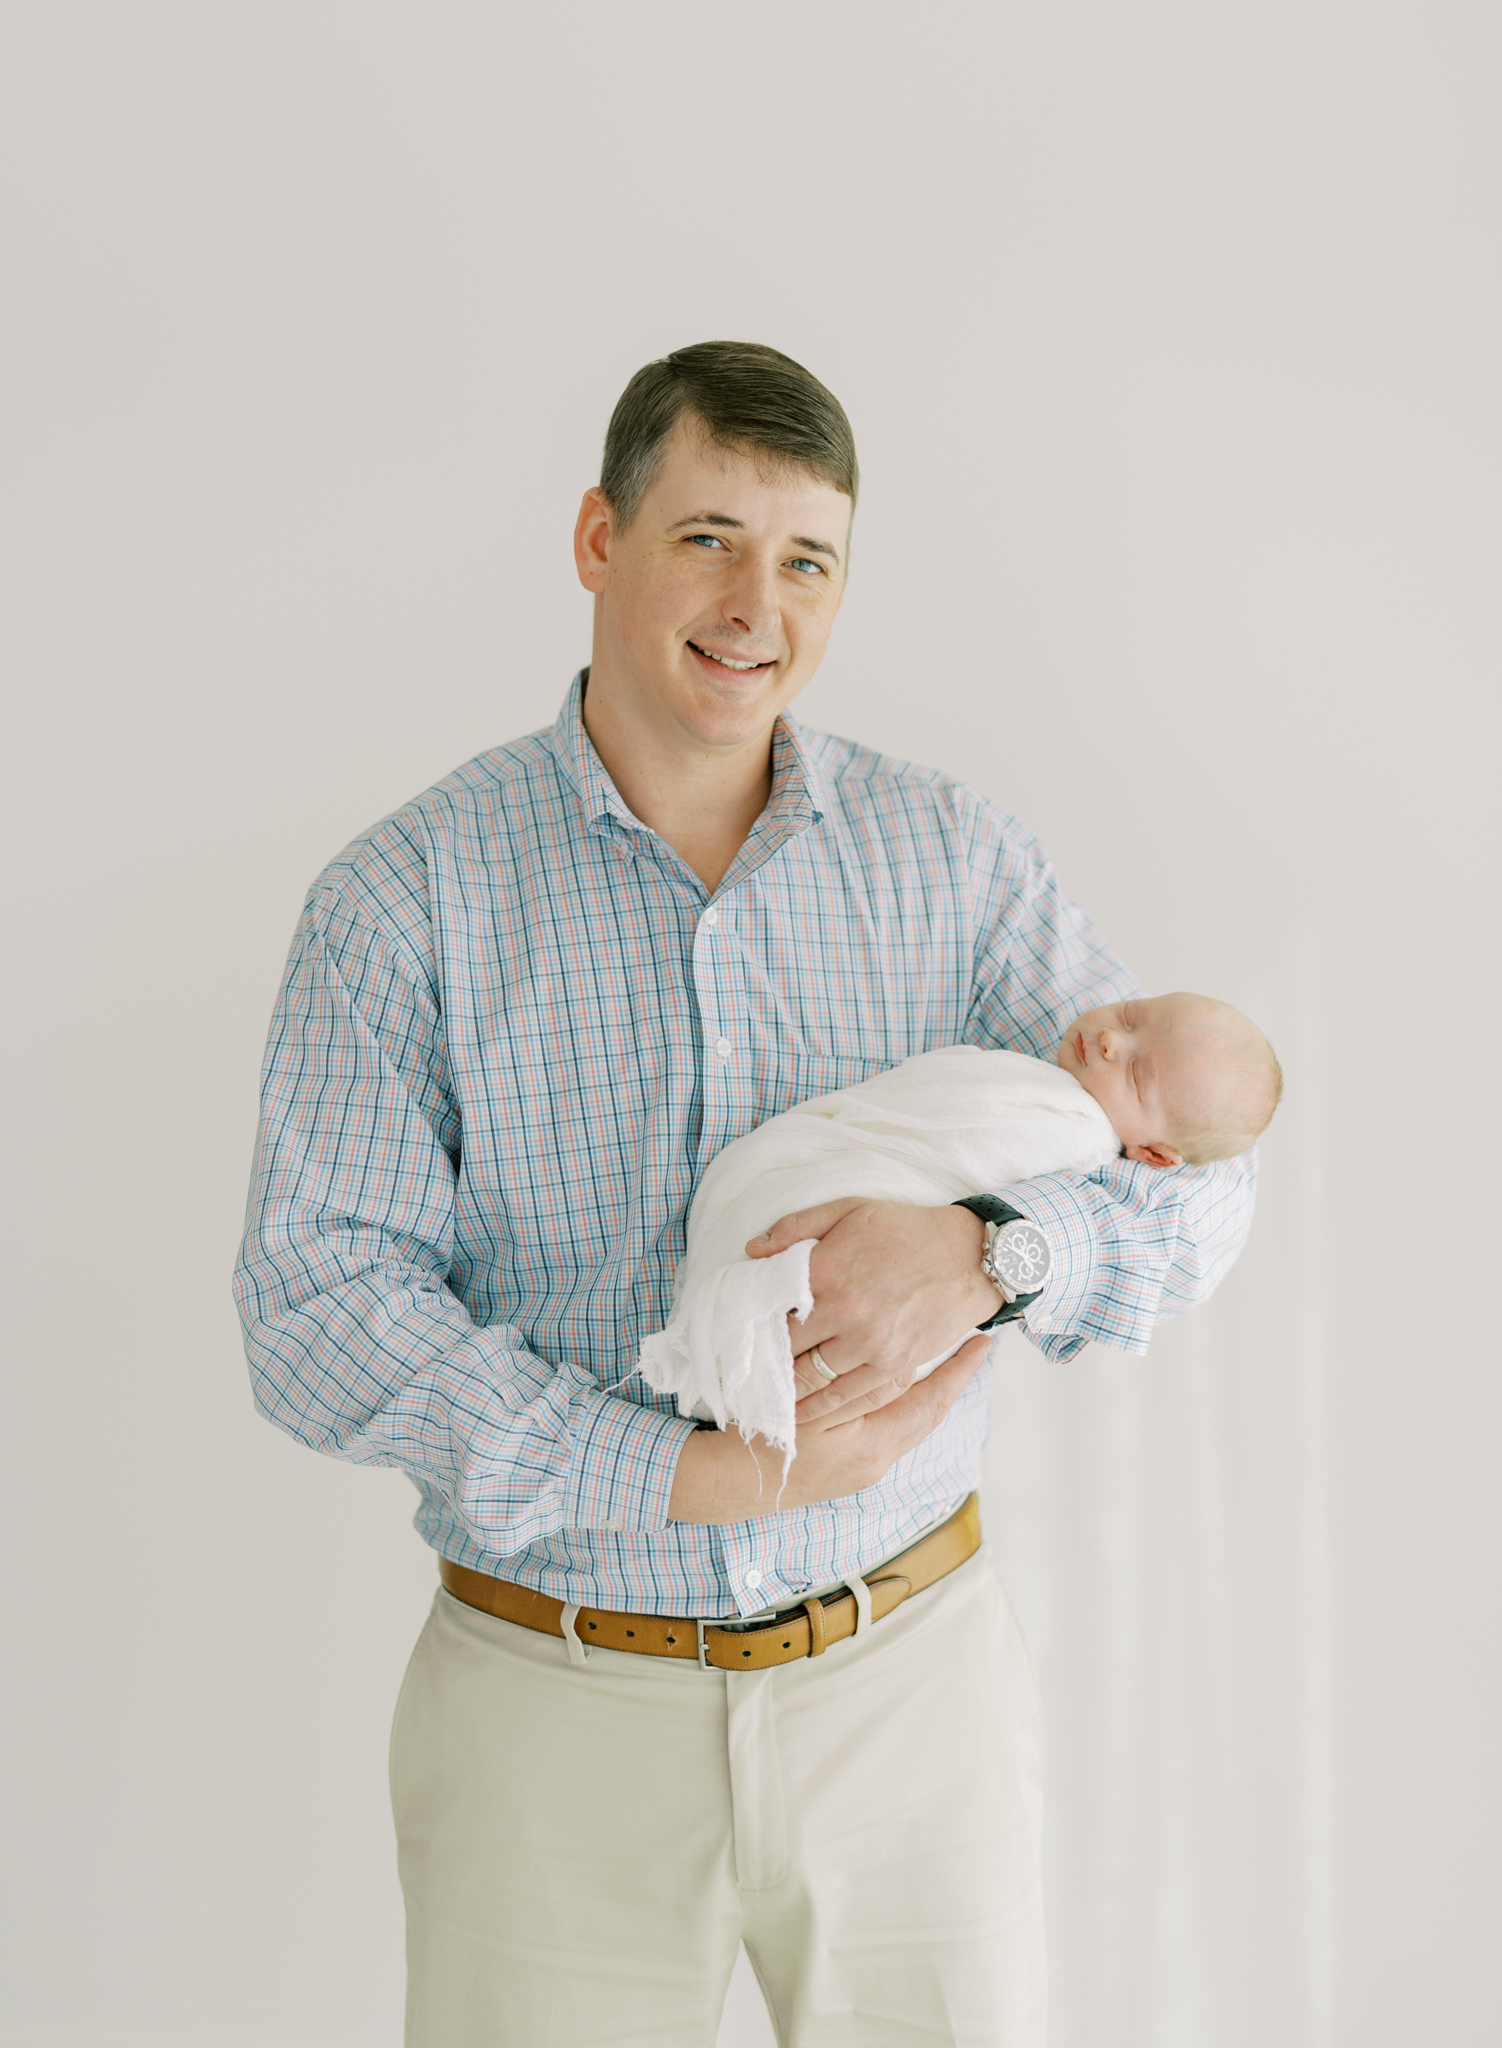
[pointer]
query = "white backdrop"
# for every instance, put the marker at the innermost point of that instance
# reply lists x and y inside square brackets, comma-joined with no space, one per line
[1170,339]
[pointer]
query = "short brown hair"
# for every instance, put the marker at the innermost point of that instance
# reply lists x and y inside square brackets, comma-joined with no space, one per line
[746,396]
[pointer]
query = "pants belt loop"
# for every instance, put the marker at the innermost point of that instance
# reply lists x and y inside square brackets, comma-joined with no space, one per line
[862,1594]
[577,1651]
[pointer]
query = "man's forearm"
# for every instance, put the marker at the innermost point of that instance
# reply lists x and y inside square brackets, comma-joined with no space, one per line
[720,1477]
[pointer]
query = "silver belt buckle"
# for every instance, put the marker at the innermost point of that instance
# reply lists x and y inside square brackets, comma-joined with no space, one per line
[704,1663]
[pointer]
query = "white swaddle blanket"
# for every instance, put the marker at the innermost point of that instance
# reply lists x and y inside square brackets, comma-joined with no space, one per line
[960,1121]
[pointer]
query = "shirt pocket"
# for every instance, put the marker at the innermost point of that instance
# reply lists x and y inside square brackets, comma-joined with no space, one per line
[784,1075]
[822,1073]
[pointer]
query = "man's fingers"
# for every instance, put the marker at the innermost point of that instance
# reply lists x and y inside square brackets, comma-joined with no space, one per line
[918,1413]
[815,1222]
[880,1426]
[807,1379]
[955,1373]
[865,1388]
[837,1358]
[818,1398]
[843,1407]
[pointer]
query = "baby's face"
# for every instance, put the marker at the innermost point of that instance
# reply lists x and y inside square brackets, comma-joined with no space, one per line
[1151,1063]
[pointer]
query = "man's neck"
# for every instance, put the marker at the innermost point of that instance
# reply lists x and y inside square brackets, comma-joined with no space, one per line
[703,801]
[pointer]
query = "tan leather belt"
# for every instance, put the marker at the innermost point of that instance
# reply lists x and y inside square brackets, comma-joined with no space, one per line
[799,1633]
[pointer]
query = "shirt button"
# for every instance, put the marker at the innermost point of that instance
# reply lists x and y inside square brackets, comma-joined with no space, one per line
[753,1578]
[723,1047]
[711,916]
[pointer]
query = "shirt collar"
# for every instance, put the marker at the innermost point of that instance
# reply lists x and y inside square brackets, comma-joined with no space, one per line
[797,800]
[582,766]
[798,797]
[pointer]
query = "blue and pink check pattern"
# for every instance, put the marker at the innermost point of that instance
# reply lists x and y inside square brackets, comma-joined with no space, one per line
[513,1032]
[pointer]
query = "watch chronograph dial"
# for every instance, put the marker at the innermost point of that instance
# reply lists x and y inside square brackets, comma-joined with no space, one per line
[1021,1256]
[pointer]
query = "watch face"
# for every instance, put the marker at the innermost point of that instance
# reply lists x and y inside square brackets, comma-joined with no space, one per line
[1021,1256]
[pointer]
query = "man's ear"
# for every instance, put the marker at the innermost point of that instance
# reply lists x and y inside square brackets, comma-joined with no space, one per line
[1155,1155]
[592,536]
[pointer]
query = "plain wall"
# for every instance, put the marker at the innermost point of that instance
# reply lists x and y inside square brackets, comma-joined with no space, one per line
[1170,339]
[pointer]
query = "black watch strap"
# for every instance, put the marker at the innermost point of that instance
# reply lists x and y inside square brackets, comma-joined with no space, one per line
[992,1209]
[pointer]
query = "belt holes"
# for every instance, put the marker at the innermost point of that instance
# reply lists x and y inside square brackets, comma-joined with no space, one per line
[672,1639]
[745,1653]
[787,1646]
[631,1631]
[594,1624]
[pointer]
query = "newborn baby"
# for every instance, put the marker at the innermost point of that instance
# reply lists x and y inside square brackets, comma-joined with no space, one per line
[1166,1080]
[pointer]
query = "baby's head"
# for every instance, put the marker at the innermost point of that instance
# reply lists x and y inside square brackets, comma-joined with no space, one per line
[1184,1079]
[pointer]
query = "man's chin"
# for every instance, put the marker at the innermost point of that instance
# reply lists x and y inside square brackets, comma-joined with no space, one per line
[723,729]
[728,714]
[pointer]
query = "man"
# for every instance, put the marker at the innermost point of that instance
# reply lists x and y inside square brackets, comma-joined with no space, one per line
[662,1706]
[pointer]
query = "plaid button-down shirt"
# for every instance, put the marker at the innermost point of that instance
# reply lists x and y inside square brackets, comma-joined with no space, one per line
[514,1029]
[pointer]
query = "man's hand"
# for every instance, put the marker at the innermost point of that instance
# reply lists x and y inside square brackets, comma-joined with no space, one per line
[894,1285]
[722,1478]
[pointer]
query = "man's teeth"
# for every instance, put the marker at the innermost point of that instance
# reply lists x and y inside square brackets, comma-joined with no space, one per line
[724,659]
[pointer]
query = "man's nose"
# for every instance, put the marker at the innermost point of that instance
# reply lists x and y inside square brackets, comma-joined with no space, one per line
[751,601]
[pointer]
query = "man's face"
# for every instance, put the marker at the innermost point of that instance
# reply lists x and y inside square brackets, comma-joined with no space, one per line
[715,603]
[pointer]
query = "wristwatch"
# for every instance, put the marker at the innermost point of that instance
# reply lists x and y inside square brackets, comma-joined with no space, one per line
[1017,1259]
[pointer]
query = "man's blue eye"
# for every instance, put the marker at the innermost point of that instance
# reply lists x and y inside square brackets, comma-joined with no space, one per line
[802,562]
[706,540]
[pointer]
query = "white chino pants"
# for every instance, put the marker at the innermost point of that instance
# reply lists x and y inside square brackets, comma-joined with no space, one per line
[583,1850]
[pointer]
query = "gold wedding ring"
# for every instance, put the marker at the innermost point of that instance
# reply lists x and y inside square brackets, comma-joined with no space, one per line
[817,1356]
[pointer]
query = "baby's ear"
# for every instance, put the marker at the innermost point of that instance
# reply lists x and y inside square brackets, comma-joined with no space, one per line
[1155,1155]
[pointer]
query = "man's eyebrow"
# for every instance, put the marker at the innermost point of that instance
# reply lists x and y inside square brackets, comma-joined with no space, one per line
[797,540]
[815,547]
[708,519]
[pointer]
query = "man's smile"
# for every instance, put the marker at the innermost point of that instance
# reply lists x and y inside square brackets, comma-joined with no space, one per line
[728,661]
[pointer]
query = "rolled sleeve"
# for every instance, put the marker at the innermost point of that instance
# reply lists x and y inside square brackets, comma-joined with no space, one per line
[1133,1246]
[357,1343]
[621,1465]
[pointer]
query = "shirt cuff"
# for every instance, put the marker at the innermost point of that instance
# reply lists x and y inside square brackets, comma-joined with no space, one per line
[622,1459]
[1058,1322]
